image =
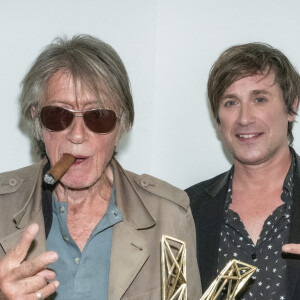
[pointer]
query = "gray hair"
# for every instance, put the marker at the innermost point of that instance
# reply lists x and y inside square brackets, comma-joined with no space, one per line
[93,64]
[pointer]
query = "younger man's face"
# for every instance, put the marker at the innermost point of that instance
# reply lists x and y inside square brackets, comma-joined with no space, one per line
[253,119]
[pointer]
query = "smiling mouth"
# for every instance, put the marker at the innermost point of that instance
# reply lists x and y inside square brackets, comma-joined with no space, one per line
[248,136]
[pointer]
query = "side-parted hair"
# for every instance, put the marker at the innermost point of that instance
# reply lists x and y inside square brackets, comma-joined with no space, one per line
[94,66]
[250,59]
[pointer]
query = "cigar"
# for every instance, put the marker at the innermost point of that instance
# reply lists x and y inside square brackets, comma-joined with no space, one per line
[59,169]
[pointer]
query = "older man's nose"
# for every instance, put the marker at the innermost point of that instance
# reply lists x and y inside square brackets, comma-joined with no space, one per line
[78,130]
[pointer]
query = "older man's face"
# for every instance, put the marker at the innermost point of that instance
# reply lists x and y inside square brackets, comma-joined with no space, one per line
[253,119]
[93,151]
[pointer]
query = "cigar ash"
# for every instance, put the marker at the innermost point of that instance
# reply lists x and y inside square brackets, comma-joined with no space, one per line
[59,169]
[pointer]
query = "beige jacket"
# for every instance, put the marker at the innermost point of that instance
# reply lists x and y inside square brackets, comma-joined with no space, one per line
[150,208]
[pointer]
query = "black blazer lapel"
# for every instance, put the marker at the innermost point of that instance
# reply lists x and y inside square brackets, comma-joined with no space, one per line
[207,203]
[211,225]
[293,261]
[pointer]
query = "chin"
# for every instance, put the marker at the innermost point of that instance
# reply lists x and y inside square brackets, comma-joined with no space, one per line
[77,183]
[252,158]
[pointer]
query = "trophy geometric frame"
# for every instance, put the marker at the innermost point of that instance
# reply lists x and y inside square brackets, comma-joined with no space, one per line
[173,268]
[234,276]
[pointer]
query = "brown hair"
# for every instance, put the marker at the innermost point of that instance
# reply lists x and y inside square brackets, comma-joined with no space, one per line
[250,59]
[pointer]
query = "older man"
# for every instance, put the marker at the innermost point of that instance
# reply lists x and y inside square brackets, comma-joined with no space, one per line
[99,227]
[251,211]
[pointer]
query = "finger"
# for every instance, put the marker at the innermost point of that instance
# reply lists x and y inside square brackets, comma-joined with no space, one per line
[30,290]
[47,274]
[291,248]
[36,265]
[18,289]
[47,290]
[29,285]
[19,252]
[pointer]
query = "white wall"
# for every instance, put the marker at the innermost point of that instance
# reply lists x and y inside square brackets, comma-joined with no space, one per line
[168,47]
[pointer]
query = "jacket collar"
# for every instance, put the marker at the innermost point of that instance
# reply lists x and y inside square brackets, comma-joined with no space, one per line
[130,249]
[219,184]
[214,189]
[133,211]
[129,200]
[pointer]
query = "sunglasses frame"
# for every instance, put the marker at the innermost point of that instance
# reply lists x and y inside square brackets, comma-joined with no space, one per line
[80,113]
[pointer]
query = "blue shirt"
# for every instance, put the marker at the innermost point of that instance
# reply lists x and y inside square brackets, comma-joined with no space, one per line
[82,275]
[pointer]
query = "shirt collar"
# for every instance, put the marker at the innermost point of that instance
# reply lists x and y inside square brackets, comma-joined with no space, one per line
[287,184]
[288,181]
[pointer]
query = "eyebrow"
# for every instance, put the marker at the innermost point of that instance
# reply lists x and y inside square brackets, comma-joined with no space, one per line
[259,92]
[228,96]
[254,92]
[66,102]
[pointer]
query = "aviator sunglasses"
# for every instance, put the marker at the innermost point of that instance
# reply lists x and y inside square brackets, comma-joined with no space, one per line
[55,118]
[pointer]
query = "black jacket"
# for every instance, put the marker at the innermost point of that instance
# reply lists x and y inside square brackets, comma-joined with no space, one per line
[207,204]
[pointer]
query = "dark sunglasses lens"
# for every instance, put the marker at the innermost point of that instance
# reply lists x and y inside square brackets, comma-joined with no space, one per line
[100,120]
[55,118]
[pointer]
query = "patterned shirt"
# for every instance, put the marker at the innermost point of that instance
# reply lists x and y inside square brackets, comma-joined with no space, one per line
[269,280]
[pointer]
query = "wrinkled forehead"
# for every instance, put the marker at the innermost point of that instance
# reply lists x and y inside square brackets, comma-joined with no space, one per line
[79,90]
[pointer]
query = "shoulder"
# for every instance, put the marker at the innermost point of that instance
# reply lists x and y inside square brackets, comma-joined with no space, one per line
[154,186]
[199,191]
[200,187]
[11,181]
[297,158]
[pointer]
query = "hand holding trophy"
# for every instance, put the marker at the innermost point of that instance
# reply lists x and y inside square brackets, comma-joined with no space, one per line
[174,282]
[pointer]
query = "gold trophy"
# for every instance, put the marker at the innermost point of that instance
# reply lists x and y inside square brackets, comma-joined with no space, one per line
[173,268]
[233,277]
[174,282]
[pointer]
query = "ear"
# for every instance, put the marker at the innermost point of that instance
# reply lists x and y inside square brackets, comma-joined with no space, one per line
[218,122]
[118,137]
[291,117]
[33,111]
[120,130]
[296,104]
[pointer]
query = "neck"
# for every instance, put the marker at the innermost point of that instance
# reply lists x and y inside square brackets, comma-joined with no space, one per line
[100,191]
[268,174]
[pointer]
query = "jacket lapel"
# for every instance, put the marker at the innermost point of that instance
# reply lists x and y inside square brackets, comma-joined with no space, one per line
[128,255]
[210,218]
[293,261]
[129,249]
